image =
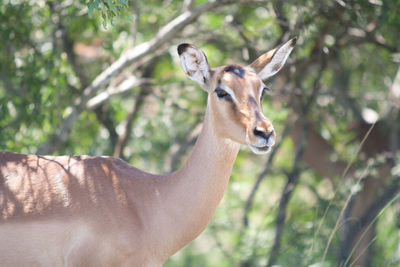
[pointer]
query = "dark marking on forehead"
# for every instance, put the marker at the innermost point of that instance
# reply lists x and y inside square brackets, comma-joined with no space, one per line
[237,70]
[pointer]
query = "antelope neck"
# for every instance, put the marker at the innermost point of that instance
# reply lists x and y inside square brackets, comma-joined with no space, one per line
[198,187]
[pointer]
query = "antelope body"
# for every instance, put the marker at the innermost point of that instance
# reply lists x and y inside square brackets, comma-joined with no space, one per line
[101,211]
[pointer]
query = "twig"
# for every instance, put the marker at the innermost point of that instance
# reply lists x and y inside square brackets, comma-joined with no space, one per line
[104,115]
[220,245]
[372,214]
[350,195]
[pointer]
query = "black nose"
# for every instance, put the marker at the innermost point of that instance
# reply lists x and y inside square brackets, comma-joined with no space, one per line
[260,132]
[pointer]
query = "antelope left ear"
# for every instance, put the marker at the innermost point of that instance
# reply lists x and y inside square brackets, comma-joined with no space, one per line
[271,62]
[194,63]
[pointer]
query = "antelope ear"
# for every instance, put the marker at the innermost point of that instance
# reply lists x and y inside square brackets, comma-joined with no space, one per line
[271,62]
[194,63]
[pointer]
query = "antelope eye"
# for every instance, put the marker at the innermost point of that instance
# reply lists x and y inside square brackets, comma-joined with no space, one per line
[222,93]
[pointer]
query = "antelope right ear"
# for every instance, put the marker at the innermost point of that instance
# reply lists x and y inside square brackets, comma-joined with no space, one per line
[271,62]
[194,63]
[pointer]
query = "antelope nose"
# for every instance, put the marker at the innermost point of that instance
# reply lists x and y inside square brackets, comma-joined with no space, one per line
[269,136]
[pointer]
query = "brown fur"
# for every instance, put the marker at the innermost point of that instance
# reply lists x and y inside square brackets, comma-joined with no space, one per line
[100,211]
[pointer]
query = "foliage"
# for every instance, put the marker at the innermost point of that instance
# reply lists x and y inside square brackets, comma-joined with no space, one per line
[109,9]
[342,73]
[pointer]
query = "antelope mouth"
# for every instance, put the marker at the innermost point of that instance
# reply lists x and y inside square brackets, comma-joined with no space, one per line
[260,149]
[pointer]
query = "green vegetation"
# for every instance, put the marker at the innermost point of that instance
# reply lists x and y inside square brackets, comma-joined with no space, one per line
[329,192]
[109,9]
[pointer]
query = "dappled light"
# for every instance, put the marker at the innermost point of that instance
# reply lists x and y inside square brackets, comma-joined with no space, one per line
[33,185]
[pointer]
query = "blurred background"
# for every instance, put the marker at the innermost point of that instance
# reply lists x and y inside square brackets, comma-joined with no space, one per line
[102,77]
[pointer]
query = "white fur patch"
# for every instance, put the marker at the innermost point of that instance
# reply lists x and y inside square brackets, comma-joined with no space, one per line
[278,60]
[230,92]
[195,65]
[271,141]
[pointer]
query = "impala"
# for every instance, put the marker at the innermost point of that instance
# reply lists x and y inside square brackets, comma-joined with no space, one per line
[101,211]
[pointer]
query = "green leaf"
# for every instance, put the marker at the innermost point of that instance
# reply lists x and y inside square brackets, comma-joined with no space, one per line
[123,3]
[91,6]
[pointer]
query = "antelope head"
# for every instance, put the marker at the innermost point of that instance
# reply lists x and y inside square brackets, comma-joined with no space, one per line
[236,93]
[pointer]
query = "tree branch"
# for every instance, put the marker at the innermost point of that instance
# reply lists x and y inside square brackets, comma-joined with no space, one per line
[262,175]
[131,117]
[292,180]
[68,46]
[112,91]
[391,192]
[293,176]
[164,35]
[179,149]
